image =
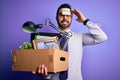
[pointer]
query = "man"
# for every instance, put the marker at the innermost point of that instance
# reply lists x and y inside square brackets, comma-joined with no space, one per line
[76,42]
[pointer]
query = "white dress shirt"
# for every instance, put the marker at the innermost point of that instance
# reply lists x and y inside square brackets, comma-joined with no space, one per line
[75,49]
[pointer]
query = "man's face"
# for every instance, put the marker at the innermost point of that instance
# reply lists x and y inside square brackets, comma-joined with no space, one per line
[64,18]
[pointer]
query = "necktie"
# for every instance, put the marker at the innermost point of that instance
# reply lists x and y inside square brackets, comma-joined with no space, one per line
[64,41]
[64,45]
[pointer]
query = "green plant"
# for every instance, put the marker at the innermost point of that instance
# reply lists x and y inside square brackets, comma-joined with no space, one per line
[26,45]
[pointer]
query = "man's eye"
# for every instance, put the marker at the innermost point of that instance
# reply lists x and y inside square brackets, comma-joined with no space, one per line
[60,14]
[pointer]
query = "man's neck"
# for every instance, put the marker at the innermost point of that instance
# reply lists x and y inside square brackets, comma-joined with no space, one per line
[66,30]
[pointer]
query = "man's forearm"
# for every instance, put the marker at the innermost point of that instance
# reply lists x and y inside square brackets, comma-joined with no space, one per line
[97,32]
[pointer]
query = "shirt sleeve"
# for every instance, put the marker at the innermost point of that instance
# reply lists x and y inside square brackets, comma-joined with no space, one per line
[95,36]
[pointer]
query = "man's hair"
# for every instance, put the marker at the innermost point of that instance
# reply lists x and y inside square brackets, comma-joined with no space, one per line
[63,6]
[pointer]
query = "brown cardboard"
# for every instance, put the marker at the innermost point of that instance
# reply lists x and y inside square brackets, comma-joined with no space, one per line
[28,60]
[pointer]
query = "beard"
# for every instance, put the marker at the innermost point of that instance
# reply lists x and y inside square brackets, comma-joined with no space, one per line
[63,26]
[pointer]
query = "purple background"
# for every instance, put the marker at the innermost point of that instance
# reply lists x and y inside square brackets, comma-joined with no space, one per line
[100,62]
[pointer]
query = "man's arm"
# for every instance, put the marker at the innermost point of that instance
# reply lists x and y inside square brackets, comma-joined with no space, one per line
[96,34]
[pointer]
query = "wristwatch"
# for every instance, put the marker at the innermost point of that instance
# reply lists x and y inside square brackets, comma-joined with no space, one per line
[85,22]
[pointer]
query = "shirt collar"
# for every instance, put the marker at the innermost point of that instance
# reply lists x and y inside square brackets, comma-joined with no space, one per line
[68,30]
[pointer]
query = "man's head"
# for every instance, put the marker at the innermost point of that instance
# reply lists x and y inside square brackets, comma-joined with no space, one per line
[64,16]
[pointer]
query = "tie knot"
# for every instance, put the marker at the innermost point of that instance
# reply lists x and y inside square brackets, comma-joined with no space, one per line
[68,34]
[64,40]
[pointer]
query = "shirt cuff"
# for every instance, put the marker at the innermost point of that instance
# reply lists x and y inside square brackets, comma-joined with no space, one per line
[85,22]
[92,25]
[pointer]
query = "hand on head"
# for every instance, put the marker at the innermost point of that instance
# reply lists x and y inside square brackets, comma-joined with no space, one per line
[80,16]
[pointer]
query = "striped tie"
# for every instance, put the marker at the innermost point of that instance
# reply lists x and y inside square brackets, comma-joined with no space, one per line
[64,45]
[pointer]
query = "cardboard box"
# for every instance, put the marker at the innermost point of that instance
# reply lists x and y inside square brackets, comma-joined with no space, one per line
[28,60]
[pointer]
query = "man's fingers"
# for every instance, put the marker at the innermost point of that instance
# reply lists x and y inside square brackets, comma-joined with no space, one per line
[46,72]
[42,69]
[72,11]
[39,69]
[80,16]
[75,11]
[33,72]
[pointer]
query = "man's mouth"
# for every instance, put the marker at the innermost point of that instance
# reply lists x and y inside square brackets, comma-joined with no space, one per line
[65,21]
